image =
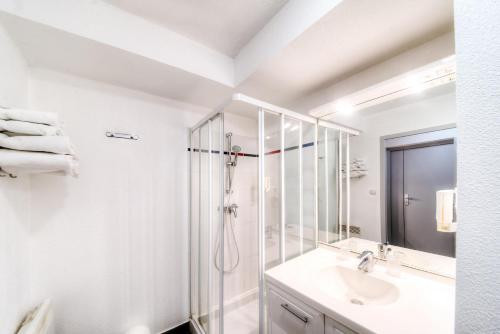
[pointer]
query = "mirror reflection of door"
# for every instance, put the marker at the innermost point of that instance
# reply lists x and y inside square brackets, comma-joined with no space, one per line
[416,172]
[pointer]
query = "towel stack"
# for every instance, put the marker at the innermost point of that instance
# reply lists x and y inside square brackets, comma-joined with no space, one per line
[358,168]
[32,142]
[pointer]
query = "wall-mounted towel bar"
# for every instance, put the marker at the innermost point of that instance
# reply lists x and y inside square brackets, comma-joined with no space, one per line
[4,174]
[121,135]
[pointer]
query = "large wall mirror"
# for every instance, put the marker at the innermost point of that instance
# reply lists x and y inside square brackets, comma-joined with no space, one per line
[402,170]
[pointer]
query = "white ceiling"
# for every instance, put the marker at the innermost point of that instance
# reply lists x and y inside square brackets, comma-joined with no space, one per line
[354,36]
[351,37]
[223,25]
[42,47]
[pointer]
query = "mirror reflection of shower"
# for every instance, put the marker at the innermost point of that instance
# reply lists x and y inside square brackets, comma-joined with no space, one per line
[230,209]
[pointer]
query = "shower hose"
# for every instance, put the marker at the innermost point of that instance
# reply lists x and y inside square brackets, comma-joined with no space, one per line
[230,227]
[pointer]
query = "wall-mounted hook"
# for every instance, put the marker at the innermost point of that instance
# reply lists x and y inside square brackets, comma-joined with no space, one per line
[121,135]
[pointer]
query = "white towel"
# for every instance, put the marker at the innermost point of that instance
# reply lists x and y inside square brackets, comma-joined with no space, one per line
[53,144]
[27,128]
[31,116]
[39,320]
[20,162]
[445,205]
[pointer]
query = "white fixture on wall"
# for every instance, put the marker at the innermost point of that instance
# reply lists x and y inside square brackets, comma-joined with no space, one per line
[414,82]
[357,169]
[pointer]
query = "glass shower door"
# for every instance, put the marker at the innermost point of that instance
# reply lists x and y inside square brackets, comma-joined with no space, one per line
[206,220]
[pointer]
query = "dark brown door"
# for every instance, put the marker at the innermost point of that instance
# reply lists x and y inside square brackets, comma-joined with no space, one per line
[415,176]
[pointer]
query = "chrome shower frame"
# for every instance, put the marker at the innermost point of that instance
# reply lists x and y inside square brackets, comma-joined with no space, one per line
[262,108]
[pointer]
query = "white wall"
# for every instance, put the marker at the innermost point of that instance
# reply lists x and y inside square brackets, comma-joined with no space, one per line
[426,113]
[478,104]
[14,201]
[111,247]
[244,278]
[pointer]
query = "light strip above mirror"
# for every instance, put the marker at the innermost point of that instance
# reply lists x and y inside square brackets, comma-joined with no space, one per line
[432,75]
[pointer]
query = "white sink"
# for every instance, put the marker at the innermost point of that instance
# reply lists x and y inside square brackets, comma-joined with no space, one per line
[356,287]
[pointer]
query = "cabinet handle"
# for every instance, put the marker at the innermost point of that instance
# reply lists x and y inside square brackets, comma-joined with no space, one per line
[295,312]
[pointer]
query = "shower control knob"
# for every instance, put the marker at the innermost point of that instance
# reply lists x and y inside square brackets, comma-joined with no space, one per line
[232,209]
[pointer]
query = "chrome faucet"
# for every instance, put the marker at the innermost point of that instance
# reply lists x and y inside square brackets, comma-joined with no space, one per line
[232,209]
[367,261]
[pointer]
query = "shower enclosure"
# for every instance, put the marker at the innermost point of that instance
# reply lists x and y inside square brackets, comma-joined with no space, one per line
[266,185]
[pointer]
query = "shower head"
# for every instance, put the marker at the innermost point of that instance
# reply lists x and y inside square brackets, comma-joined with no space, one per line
[236,149]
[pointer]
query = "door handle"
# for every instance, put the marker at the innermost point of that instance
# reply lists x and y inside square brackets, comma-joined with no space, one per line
[407,199]
[295,312]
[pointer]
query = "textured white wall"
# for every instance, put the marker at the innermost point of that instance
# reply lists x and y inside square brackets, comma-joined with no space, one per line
[426,113]
[111,247]
[478,104]
[14,201]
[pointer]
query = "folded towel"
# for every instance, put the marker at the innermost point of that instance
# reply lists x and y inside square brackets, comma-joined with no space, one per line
[39,320]
[445,206]
[29,128]
[53,144]
[19,162]
[31,116]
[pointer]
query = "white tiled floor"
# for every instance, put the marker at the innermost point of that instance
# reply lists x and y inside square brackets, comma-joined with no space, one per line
[244,319]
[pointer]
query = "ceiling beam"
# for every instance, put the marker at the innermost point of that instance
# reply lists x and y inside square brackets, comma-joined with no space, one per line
[288,24]
[101,22]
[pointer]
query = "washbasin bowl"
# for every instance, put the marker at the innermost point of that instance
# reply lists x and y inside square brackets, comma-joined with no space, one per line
[356,287]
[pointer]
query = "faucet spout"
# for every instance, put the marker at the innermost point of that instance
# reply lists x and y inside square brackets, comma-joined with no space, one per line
[367,261]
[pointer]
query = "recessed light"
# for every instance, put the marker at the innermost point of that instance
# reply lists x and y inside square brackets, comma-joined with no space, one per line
[415,84]
[344,107]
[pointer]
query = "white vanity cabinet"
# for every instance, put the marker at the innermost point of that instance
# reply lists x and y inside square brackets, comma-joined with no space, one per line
[335,327]
[288,315]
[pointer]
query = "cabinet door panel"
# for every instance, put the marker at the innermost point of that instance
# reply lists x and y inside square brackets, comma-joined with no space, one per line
[287,315]
[334,327]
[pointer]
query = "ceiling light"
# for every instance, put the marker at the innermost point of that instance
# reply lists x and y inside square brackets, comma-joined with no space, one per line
[416,84]
[435,74]
[344,107]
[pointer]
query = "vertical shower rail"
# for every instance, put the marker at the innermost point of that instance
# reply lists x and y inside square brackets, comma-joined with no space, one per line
[262,220]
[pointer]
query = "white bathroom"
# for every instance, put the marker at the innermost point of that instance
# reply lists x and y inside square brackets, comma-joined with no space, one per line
[249,166]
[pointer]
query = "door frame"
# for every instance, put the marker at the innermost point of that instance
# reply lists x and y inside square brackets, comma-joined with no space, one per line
[422,137]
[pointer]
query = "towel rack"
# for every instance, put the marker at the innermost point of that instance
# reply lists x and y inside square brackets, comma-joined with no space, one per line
[121,135]
[4,174]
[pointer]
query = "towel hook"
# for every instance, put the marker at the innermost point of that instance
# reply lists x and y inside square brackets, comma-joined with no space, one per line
[121,135]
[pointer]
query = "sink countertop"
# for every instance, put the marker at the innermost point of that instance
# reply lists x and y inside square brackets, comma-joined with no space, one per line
[426,302]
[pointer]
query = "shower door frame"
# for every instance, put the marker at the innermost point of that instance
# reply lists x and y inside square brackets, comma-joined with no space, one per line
[208,121]
[261,108]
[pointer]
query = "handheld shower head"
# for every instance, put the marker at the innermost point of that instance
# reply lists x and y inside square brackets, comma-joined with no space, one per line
[236,149]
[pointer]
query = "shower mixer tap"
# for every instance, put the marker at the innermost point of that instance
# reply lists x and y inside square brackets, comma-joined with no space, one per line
[232,209]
